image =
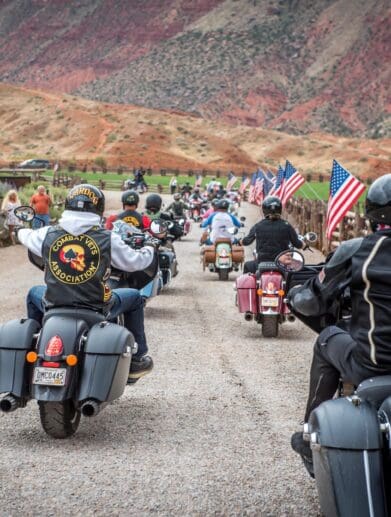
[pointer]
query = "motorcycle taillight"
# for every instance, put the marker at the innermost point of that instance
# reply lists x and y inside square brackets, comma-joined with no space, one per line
[54,347]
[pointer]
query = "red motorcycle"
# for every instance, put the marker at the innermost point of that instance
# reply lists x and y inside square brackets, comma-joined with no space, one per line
[262,296]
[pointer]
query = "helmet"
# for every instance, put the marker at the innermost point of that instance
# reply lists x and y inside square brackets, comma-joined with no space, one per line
[153,203]
[378,201]
[223,204]
[85,198]
[130,197]
[177,197]
[215,202]
[272,207]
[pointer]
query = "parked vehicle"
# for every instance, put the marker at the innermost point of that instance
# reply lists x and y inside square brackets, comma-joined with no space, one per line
[262,296]
[72,365]
[34,164]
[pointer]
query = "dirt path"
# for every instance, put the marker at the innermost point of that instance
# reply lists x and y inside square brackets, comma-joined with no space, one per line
[207,433]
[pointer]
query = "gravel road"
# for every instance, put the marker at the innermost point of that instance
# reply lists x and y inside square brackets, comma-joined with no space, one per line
[207,433]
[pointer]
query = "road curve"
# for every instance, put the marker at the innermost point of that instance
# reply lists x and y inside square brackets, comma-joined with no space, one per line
[206,433]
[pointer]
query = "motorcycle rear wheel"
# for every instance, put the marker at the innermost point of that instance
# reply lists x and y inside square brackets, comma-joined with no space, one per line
[223,274]
[270,326]
[59,419]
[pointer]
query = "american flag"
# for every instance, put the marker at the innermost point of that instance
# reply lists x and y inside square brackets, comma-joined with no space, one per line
[268,184]
[279,183]
[258,195]
[292,181]
[345,190]
[271,176]
[198,180]
[251,192]
[231,181]
[244,184]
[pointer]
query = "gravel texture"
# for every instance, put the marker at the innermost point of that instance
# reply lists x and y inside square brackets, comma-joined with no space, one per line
[206,433]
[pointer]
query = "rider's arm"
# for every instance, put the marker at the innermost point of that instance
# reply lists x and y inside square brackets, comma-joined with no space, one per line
[127,259]
[208,221]
[293,237]
[250,237]
[236,221]
[33,239]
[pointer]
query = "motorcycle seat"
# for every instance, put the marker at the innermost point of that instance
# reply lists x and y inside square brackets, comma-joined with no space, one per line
[375,389]
[88,315]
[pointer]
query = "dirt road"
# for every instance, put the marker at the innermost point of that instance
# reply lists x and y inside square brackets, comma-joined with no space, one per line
[207,433]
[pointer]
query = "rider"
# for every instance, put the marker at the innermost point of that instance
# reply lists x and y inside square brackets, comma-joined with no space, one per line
[196,196]
[130,215]
[77,254]
[220,221]
[363,264]
[153,206]
[272,235]
[178,206]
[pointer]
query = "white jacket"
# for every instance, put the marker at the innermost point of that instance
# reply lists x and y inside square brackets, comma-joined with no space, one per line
[122,256]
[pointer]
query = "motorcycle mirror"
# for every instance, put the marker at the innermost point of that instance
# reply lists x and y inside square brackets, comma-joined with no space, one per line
[158,227]
[242,218]
[290,261]
[25,213]
[311,237]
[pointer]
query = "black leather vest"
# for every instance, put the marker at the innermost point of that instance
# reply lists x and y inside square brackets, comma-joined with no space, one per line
[371,301]
[77,268]
[132,217]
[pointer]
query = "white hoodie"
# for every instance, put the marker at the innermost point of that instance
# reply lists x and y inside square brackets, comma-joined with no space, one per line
[122,256]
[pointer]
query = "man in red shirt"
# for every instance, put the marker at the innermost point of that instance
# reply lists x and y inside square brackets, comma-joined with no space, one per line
[41,202]
[130,215]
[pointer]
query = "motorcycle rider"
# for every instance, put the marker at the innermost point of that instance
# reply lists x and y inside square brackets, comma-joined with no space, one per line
[77,255]
[363,265]
[178,206]
[196,196]
[153,209]
[130,200]
[219,223]
[272,235]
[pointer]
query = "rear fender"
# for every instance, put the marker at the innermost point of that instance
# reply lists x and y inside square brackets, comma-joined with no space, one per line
[271,282]
[223,256]
[71,331]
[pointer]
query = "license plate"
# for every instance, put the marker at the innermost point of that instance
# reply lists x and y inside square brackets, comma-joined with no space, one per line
[49,376]
[269,302]
[223,260]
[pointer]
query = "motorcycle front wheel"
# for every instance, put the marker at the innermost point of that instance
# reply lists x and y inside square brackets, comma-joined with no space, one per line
[59,419]
[270,326]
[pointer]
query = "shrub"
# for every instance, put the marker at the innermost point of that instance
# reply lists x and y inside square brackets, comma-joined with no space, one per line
[100,161]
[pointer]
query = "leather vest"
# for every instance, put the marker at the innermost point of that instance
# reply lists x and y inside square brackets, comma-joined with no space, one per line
[77,268]
[370,291]
[132,217]
[272,237]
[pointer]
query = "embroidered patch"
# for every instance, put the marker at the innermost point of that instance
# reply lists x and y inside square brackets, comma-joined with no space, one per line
[74,260]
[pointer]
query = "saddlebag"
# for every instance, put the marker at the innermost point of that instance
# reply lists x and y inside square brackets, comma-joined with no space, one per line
[209,255]
[237,254]
[347,446]
[107,357]
[246,289]
[16,338]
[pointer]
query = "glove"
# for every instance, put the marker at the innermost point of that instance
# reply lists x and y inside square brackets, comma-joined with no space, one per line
[153,243]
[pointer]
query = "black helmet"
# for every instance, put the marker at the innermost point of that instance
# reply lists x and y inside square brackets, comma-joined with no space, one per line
[378,201]
[272,207]
[85,198]
[130,197]
[153,203]
[223,204]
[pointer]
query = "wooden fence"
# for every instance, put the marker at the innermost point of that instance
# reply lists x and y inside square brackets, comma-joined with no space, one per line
[311,216]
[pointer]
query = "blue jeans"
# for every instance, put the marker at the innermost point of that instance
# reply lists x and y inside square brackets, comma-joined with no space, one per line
[40,220]
[126,301]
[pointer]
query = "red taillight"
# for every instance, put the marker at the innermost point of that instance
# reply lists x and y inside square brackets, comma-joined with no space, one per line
[54,347]
[50,364]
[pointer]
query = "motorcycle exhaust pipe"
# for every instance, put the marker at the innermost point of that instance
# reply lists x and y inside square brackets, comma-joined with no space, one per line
[90,408]
[248,316]
[9,403]
[291,318]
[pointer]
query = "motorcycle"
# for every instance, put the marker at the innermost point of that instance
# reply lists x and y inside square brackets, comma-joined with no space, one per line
[196,210]
[262,296]
[73,364]
[350,436]
[223,256]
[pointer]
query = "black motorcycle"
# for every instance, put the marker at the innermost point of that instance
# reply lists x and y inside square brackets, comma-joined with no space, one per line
[72,365]
[350,436]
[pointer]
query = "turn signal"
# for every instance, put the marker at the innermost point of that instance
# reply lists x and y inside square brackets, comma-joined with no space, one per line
[260,292]
[71,360]
[281,292]
[31,357]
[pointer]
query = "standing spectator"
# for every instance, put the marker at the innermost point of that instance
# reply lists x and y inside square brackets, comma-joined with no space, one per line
[10,202]
[173,185]
[41,203]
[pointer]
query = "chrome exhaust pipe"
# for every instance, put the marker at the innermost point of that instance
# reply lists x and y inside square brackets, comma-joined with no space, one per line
[90,408]
[248,316]
[9,403]
[291,318]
